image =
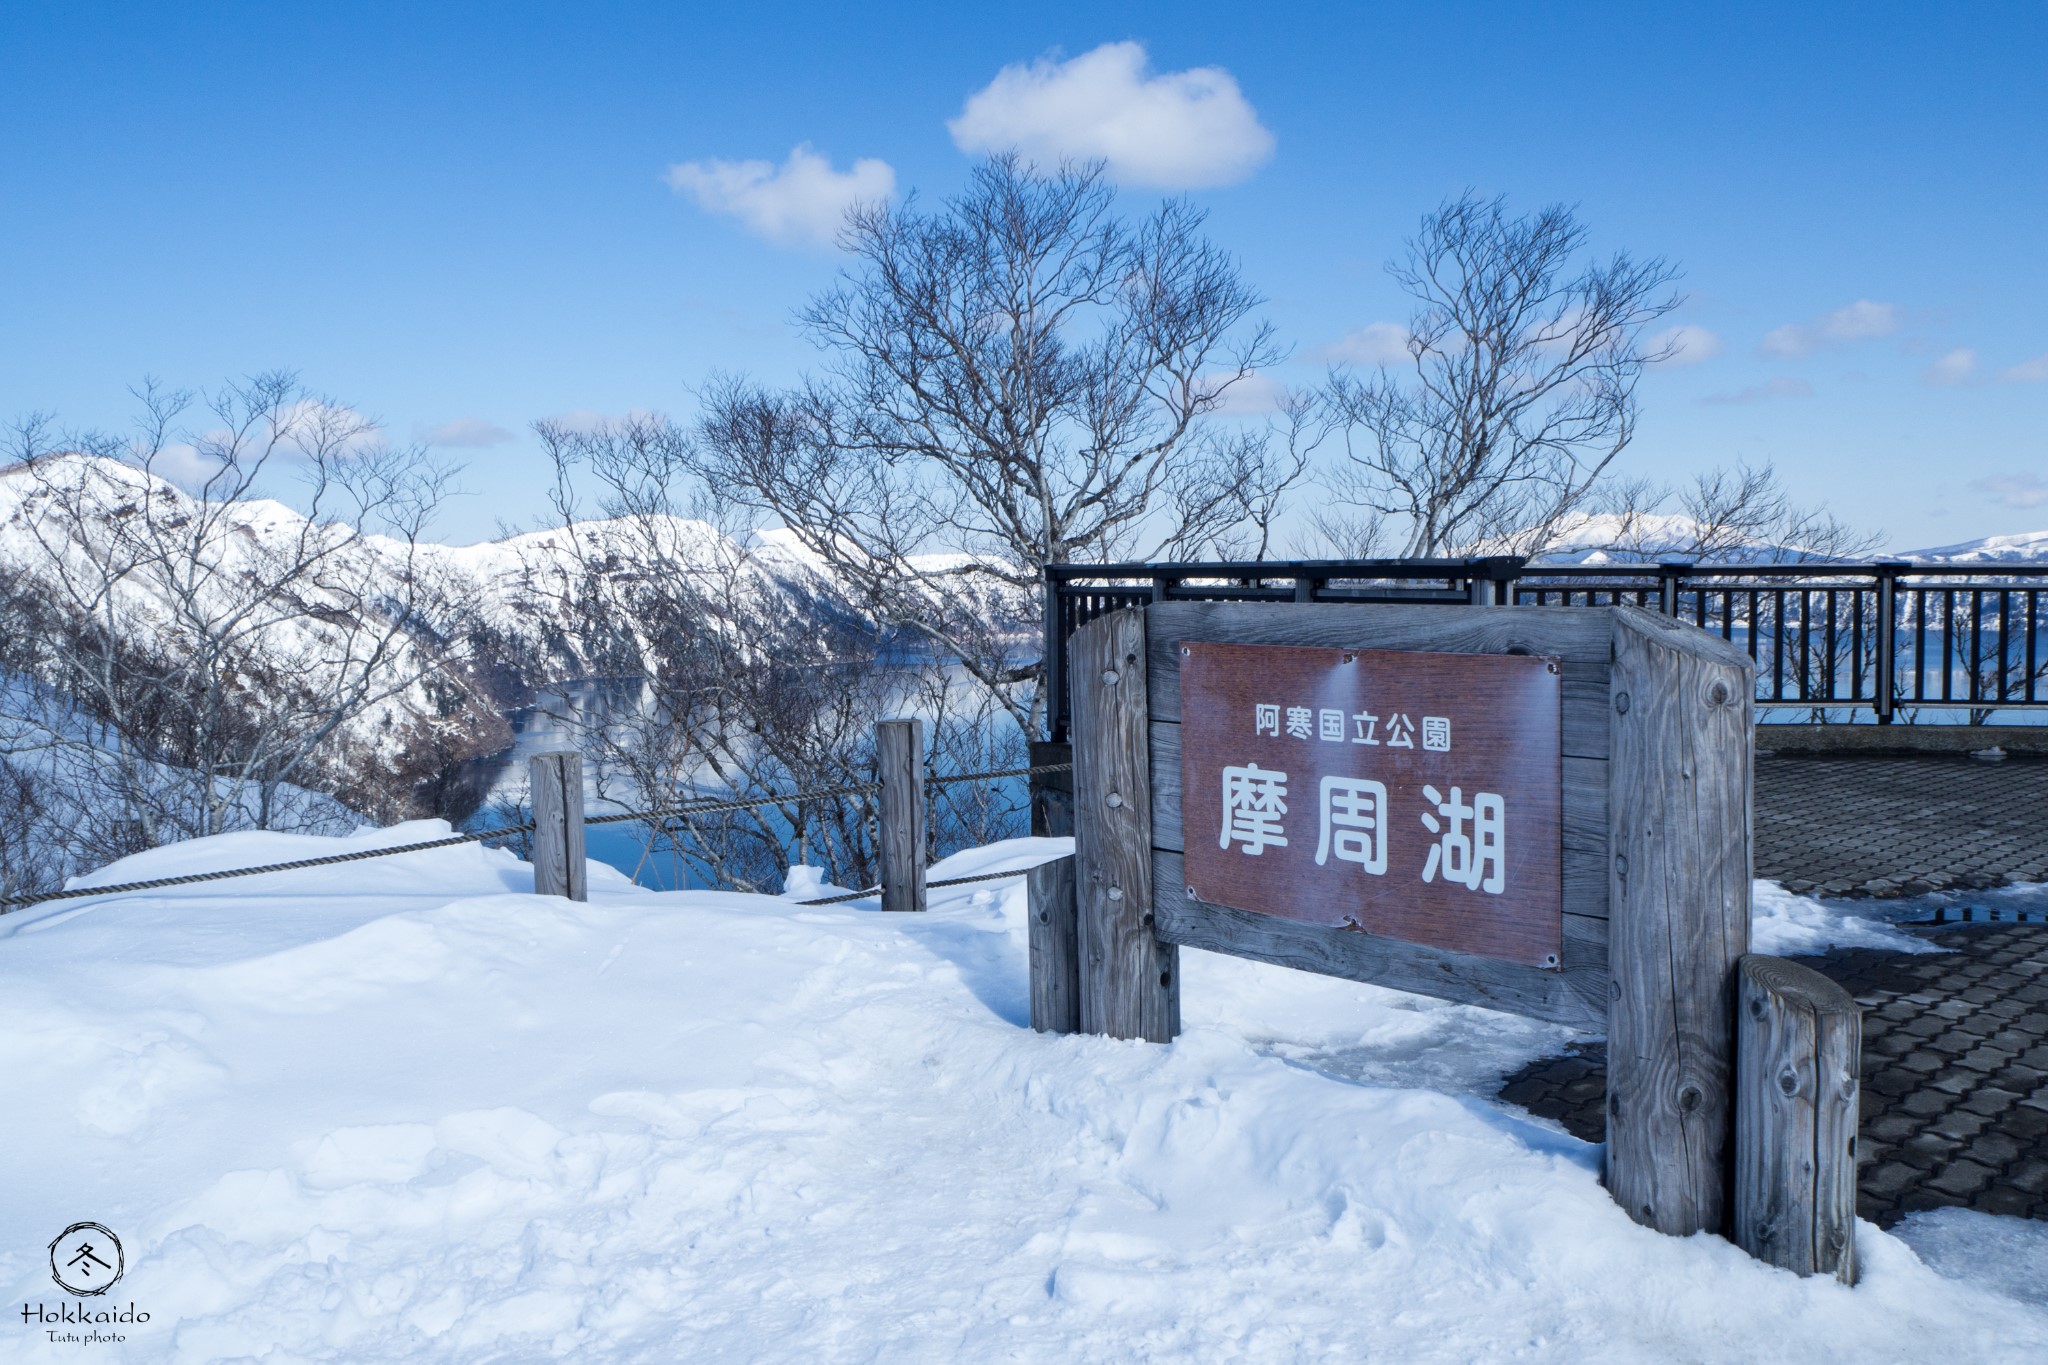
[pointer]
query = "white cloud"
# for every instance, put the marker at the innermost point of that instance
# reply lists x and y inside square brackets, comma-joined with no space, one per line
[2014,490]
[1953,368]
[1689,344]
[2033,371]
[1376,343]
[471,432]
[801,202]
[1862,320]
[1252,396]
[184,465]
[1759,393]
[1170,130]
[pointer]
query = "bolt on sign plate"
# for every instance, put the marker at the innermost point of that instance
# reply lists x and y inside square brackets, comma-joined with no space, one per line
[1413,795]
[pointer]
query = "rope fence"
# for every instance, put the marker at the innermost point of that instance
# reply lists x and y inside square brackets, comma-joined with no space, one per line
[11,904]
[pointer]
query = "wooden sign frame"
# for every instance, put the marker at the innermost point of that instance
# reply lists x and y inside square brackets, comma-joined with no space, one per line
[1657,733]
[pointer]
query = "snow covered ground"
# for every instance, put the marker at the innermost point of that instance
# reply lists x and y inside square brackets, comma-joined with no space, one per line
[405,1110]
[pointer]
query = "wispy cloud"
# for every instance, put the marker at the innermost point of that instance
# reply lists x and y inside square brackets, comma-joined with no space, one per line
[1689,344]
[1252,396]
[1862,320]
[2014,490]
[469,433]
[584,421]
[1376,343]
[1169,130]
[1763,393]
[801,202]
[1952,369]
[2033,371]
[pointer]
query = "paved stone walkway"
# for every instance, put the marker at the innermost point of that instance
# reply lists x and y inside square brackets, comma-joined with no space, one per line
[1955,1044]
[1955,1074]
[1868,825]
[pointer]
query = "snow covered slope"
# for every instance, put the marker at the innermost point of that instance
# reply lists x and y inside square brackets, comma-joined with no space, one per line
[413,1112]
[2025,546]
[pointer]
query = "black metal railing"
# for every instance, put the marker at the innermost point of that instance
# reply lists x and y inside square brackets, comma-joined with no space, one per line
[1833,639]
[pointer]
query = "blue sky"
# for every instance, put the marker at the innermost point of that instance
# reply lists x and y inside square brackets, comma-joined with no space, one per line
[463,218]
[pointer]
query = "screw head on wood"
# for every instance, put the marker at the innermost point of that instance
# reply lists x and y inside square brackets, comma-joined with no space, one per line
[1109,677]
[1113,800]
[1116,893]
[1621,864]
[1185,651]
[1621,702]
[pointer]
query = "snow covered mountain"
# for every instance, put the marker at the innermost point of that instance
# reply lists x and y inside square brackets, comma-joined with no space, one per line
[2022,547]
[1640,537]
[522,589]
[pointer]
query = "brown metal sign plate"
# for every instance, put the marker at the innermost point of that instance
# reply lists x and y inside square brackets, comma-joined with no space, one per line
[1414,795]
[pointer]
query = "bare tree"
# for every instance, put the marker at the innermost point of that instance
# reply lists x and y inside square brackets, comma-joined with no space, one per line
[1525,363]
[734,671]
[1020,378]
[205,661]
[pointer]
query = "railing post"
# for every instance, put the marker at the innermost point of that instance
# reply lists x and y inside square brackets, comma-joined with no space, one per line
[1304,588]
[1886,644]
[1668,573]
[559,865]
[899,766]
[1798,1058]
[1478,587]
[1052,794]
[1055,660]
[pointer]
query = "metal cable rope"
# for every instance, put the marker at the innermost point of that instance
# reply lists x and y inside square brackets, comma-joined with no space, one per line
[10,904]
[932,886]
[1006,772]
[714,807]
[14,903]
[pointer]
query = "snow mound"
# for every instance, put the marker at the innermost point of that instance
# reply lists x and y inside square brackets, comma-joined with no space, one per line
[407,1110]
[1789,925]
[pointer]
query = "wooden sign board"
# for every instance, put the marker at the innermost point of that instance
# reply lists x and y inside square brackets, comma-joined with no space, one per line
[1410,794]
[1651,749]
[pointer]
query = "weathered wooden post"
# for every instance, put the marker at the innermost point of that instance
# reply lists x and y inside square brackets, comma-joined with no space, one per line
[899,765]
[1798,1062]
[559,865]
[1129,979]
[1678,895]
[1055,948]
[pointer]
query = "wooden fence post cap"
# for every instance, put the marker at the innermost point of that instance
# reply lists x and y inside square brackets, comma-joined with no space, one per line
[1796,984]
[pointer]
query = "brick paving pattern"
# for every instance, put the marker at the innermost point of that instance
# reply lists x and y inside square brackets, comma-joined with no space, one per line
[1955,1074]
[1955,1044]
[1882,826]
